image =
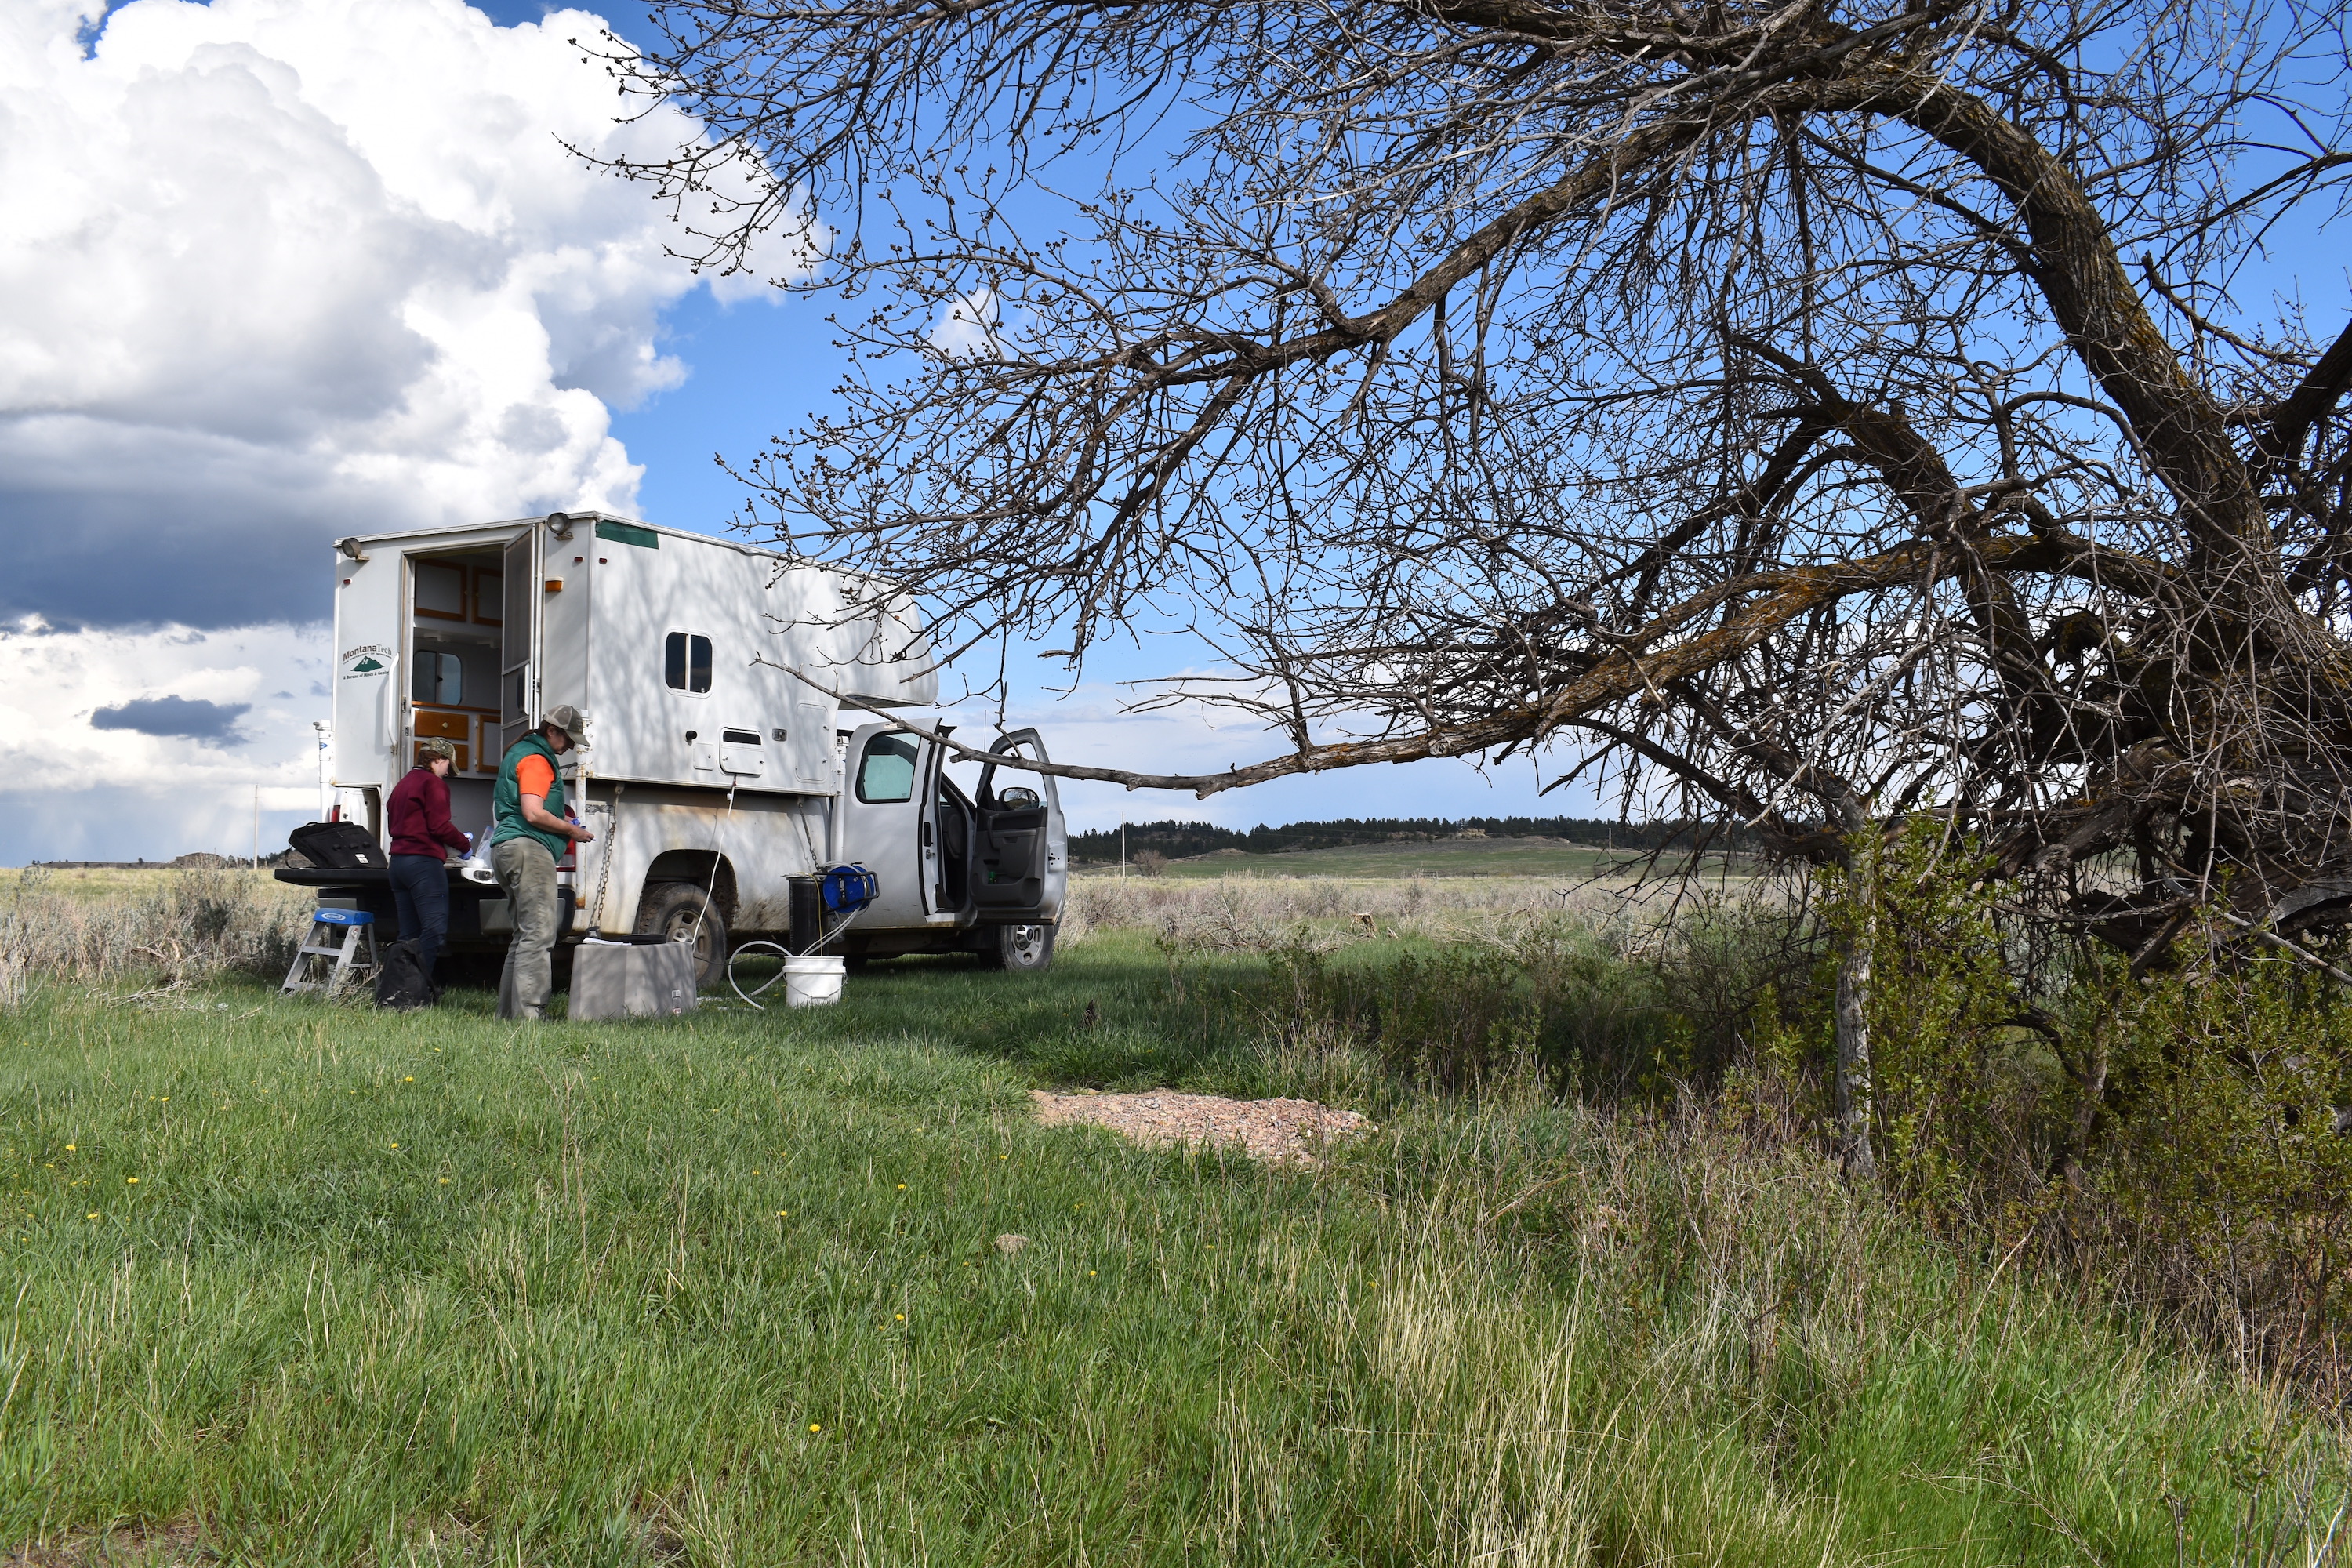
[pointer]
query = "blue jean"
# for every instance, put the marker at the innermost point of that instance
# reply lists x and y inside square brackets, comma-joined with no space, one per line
[420,891]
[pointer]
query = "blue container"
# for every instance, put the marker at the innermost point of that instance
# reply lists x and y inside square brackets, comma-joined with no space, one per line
[847,888]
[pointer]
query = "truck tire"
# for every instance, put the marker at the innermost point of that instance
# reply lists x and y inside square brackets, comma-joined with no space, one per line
[672,908]
[1022,950]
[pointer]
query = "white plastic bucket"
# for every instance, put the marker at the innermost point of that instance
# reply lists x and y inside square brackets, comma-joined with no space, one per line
[813,982]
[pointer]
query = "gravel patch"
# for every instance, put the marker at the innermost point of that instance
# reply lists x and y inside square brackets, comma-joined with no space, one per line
[1280,1130]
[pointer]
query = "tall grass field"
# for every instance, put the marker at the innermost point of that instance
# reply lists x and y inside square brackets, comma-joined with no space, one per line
[300,1283]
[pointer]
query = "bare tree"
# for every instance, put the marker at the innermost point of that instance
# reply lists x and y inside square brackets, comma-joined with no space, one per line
[1822,413]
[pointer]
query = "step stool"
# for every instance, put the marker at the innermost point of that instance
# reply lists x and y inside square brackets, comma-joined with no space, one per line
[345,936]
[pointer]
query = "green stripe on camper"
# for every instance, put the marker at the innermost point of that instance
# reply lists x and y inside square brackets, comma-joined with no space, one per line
[628,533]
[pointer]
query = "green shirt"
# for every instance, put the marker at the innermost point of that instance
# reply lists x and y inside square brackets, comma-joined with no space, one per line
[506,797]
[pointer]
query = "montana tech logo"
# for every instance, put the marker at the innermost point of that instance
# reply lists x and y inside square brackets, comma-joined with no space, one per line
[365,660]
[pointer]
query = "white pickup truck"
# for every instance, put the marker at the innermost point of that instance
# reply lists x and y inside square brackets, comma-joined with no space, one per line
[718,768]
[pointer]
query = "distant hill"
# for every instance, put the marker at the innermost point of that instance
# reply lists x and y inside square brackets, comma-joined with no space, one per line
[1177,840]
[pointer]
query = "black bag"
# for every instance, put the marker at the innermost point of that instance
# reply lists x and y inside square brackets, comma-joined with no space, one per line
[337,846]
[401,983]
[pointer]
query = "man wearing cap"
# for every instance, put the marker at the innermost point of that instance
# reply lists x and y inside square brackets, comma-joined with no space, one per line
[529,833]
[417,817]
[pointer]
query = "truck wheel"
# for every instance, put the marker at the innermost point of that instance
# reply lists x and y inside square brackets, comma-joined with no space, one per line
[1026,950]
[673,908]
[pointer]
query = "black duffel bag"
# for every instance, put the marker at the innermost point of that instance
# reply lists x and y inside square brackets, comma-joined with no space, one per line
[338,846]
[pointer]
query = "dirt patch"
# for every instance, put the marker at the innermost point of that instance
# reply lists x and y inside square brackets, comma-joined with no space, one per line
[176,1544]
[1293,1131]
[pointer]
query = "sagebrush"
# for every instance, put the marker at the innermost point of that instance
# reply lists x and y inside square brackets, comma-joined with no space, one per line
[187,925]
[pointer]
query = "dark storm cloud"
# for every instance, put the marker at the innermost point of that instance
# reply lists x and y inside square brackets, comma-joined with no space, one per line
[110,526]
[191,719]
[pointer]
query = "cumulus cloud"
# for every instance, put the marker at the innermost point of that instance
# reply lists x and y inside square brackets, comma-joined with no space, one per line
[276,271]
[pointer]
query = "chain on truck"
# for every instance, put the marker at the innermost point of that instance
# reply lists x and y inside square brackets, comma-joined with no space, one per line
[719,777]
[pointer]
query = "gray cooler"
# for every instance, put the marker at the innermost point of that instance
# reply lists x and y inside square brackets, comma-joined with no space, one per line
[648,979]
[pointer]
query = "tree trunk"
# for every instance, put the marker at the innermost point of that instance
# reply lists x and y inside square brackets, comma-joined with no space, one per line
[2091,1112]
[1853,1057]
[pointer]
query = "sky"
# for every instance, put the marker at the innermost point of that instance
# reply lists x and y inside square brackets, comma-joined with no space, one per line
[279,271]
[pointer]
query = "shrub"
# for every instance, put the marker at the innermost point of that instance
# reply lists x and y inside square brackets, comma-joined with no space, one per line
[2178,1135]
[192,923]
[2222,1178]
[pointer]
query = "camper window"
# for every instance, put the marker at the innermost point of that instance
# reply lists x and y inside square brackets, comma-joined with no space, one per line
[888,771]
[440,677]
[686,662]
[440,591]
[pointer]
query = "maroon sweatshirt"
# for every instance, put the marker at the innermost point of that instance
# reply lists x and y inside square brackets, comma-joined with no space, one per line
[418,816]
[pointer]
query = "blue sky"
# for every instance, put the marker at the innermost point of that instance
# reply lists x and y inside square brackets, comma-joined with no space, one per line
[756,363]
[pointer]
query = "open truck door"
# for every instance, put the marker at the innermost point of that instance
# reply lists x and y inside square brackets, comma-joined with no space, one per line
[1020,871]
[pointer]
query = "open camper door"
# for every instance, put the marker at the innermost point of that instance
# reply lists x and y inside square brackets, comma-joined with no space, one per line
[1020,852]
[519,641]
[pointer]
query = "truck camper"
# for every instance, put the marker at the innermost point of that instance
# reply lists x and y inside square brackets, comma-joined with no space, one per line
[720,774]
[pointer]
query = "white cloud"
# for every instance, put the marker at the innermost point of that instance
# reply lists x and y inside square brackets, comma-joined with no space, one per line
[278,271]
[969,326]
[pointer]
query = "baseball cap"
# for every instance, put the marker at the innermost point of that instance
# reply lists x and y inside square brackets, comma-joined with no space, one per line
[439,748]
[571,721]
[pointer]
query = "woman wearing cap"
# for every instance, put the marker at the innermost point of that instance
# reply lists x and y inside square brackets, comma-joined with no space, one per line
[421,835]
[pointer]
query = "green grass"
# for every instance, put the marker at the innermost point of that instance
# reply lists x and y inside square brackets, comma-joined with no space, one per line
[108,883]
[723,1290]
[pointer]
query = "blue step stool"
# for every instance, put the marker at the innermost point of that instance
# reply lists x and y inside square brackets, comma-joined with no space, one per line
[344,940]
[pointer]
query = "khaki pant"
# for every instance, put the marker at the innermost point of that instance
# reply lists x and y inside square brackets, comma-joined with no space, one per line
[527,871]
